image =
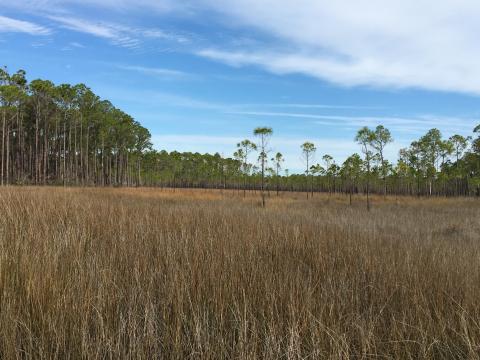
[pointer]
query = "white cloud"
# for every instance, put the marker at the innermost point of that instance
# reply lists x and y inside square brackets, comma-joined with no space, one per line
[156,98]
[395,44]
[117,35]
[163,35]
[319,106]
[84,26]
[72,45]
[127,5]
[76,45]
[160,6]
[120,35]
[158,72]
[13,25]
[399,43]
[405,125]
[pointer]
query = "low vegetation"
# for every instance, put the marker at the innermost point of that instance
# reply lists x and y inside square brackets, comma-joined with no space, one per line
[149,273]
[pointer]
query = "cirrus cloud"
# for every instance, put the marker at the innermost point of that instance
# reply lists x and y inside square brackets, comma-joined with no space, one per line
[400,43]
[8,24]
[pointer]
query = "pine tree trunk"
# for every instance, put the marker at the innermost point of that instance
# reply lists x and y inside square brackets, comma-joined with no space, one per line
[7,167]
[64,151]
[3,145]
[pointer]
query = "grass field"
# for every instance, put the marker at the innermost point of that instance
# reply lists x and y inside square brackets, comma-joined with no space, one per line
[146,273]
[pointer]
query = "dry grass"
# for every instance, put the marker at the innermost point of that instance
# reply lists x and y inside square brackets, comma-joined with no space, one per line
[145,273]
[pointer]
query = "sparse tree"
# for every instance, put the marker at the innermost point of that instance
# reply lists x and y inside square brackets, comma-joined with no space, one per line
[430,149]
[365,137]
[328,161]
[351,170]
[308,152]
[245,147]
[278,160]
[381,138]
[264,134]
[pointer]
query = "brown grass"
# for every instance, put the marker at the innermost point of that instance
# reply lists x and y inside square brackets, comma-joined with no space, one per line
[147,273]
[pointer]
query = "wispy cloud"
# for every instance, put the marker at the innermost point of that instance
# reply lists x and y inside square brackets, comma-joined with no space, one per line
[96,29]
[402,126]
[73,45]
[395,44]
[258,109]
[44,42]
[163,35]
[409,125]
[117,34]
[313,106]
[76,45]
[13,25]
[158,72]
[325,106]
[157,6]
[165,99]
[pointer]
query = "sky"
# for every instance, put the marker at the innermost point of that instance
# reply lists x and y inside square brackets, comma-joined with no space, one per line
[201,75]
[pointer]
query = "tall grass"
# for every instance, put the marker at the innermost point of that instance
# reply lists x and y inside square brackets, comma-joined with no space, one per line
[142,273]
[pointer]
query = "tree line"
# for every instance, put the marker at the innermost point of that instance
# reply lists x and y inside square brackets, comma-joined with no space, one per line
[66,135]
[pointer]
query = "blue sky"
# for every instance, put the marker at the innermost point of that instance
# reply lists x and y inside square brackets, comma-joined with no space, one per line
[200,75]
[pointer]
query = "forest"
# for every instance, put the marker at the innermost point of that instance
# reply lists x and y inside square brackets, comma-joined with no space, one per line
[67,135]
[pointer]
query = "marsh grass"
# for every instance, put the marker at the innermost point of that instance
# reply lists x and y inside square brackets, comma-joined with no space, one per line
[149,273]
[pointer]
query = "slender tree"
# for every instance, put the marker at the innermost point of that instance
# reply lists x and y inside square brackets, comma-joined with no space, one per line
[328,161]
[244,149]
[430,150]
[381,138]
[277,160]
[308,152]
[365,137]
[351,171]
[264,134]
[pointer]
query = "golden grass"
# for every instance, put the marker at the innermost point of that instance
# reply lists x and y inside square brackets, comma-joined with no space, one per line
[150,273]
